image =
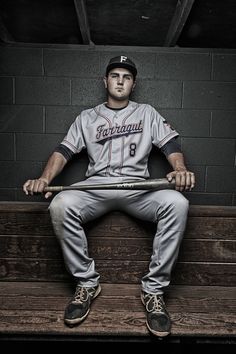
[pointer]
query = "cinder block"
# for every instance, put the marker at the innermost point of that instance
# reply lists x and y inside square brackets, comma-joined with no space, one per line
[16,173]
[209,95]
[162,94]
[36,147]
[88,92]
[6,90]
[183,66]
[224,67]
[221,179]
[48,91]
[20,118]
[224,124]
[71,62]
[21,61]
[204,151]
[6,146]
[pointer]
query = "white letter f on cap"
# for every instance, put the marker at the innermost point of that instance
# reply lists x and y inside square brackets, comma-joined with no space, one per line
[122,58]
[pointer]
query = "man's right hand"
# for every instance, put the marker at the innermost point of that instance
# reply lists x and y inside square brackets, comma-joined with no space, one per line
[33,186]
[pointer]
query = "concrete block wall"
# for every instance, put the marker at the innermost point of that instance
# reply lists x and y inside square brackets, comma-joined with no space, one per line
[43,89]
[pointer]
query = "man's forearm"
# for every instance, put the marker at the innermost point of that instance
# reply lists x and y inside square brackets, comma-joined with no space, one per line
[54,166]
[176,160]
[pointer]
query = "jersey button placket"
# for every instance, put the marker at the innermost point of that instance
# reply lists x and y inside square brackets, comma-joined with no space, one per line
[115,145]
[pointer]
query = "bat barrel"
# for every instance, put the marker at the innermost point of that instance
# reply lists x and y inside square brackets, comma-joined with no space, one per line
[156,184]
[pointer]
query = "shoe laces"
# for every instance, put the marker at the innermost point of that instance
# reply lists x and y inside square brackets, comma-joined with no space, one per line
[154,303]
[81,295]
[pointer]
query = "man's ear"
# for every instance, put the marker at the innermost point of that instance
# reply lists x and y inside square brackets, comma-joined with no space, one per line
[134,84]
[105,81]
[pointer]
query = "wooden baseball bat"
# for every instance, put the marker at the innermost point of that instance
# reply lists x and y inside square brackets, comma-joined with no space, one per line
[156,184]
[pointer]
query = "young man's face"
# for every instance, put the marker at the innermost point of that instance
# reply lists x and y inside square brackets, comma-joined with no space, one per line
[119,84]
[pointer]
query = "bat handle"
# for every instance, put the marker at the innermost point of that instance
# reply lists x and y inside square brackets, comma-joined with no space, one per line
[53,189]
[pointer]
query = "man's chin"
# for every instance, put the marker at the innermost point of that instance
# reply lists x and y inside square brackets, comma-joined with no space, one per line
[120,98]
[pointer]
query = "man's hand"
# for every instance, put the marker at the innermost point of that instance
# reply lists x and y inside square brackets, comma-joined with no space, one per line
[33,186]
[184,180]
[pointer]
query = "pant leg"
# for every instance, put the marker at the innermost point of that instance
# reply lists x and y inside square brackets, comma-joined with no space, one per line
[69,210]
[169,209]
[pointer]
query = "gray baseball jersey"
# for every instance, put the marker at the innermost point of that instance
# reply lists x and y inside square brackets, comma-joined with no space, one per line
[118,142]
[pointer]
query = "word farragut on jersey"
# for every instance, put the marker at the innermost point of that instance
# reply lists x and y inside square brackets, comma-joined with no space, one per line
[116,131]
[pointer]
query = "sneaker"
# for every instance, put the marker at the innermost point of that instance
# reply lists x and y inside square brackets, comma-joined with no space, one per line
[158,320]
[78,308]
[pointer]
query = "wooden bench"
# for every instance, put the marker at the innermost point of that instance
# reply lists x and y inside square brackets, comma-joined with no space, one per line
[35,286]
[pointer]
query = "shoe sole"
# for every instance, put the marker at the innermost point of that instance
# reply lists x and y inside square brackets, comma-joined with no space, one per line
[156,333]
[71,323]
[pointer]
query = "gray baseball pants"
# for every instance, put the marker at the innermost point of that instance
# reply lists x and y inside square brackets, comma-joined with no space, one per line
[69,210]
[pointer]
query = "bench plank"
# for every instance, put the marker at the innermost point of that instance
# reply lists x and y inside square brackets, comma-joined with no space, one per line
[27,220]
[194,210]
[55,296]
[123,323]
[118,271]
[113,313]
[13,246]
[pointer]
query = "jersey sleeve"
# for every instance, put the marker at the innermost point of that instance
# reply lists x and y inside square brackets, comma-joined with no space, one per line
[162,131]
[74,139]
[171,147]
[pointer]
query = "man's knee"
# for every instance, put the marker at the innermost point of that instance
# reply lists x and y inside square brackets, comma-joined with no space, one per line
[175,204]
[181,204]
[60,205]
[175,199]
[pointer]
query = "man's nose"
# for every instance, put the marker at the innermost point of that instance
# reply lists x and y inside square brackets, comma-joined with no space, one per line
[120,80]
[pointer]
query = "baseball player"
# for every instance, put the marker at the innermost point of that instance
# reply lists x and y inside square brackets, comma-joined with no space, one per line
[118,135]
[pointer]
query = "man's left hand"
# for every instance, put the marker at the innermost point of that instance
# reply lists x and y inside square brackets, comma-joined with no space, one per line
[184,180]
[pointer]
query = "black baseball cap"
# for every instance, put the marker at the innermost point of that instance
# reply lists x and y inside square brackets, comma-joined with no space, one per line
[121,62]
